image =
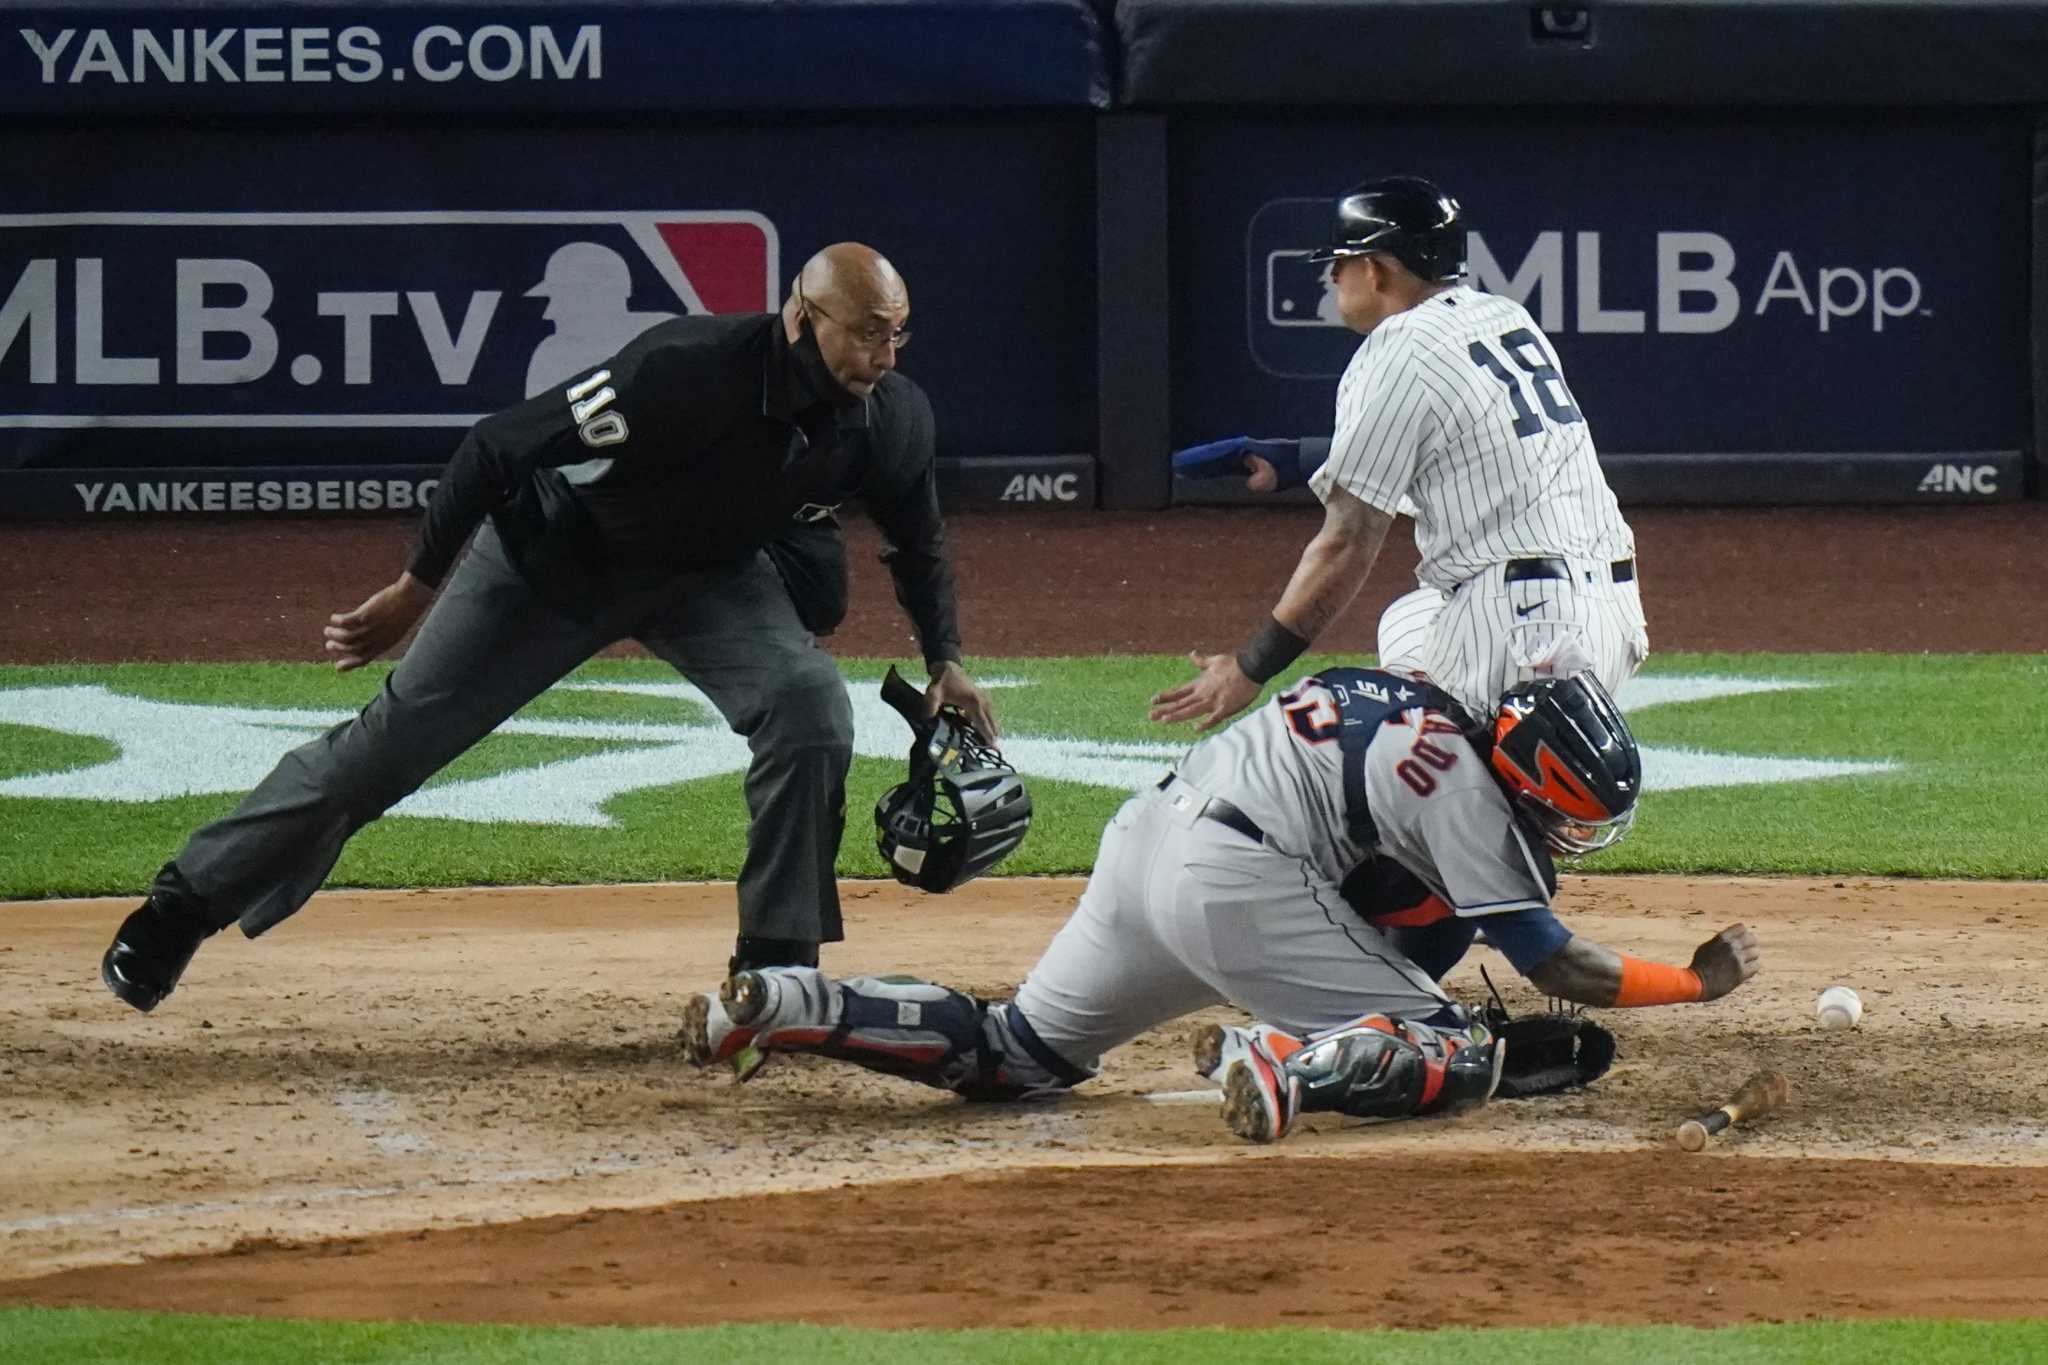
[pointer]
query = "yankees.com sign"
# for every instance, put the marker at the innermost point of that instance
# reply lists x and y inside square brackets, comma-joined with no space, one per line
[216,334]
[228,54]
[1712,284]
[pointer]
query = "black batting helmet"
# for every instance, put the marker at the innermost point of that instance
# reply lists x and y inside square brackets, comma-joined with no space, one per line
[960,811]
[1569,764]
[1405,216]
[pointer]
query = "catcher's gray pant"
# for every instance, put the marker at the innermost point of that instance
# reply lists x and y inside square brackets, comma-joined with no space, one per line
[1488,634]
[1183,912]
[489,646]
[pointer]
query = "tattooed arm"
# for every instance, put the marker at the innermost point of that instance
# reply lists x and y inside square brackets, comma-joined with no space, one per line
[1332,569]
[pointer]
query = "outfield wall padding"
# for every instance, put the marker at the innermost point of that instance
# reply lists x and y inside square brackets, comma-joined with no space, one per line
[433,58]
[1643,53]
[326,233]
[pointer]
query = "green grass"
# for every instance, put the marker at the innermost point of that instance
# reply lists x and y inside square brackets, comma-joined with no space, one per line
[24,750]
[1969,734]
[76,1335]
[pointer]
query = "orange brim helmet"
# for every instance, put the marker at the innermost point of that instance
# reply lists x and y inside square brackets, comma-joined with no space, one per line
[1568,762]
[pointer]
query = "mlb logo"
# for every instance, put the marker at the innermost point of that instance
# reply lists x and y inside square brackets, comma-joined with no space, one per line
[1300,292]
[725,263]
[122,321]
[1291,323]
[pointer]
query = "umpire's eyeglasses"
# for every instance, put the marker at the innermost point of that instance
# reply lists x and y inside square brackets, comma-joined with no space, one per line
[874,336]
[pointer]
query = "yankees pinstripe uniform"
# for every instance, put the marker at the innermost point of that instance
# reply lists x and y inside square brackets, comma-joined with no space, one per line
[1456,412]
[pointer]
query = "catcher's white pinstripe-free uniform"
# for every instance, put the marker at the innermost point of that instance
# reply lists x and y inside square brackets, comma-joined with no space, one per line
[1183,911]
[1456,413]
[1322,863]
[1224,881]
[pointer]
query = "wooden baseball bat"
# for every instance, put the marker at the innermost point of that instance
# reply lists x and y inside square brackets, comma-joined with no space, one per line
[1760,1094]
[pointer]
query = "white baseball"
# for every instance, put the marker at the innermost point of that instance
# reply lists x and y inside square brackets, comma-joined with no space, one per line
[1838,1007]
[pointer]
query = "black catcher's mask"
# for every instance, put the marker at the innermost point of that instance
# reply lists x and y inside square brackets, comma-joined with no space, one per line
[959,812]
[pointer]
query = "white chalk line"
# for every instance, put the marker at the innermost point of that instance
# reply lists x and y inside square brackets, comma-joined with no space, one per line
[368,1106]
[376,1113]
[529,1175]
[1036,1129]
[1055,1124]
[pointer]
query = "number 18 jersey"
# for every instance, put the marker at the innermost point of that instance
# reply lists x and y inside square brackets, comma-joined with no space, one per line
[1458,405]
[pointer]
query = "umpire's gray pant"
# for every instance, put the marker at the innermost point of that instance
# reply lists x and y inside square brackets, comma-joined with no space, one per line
[490,645]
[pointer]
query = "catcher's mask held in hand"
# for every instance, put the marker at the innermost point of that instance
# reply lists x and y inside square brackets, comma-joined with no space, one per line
[960,811]
[1569,764]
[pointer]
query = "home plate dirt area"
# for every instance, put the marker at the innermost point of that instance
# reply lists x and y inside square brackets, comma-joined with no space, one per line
[469,1105]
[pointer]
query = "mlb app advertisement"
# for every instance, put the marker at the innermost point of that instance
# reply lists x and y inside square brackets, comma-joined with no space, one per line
[1709,285]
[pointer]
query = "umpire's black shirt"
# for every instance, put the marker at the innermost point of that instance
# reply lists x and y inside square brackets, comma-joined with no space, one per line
[700,445]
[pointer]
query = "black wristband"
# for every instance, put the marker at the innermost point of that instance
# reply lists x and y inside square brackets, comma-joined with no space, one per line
[1272,649]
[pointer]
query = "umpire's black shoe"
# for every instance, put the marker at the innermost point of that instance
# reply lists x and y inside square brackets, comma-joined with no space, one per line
[751,952]
[150,951]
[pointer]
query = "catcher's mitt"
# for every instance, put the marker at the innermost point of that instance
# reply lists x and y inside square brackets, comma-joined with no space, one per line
[1548,1052]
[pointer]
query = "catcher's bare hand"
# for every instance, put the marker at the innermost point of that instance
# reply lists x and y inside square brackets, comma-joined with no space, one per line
[1261,476]
[950,686]
[1218,691]
[1726,960]
[356,637]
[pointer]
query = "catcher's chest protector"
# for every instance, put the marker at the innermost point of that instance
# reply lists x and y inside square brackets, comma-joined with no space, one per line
[1366,697]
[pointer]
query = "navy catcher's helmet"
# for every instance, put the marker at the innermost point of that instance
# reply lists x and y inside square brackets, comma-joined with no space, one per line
[1406,217]
[959,812]
[1569,764]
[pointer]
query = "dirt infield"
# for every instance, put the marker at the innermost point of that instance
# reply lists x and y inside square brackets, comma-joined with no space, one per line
[392,1063]
[1940,579]
[467,1105]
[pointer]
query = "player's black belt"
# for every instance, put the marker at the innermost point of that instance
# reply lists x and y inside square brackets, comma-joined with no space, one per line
[1548,566]
[1223,813]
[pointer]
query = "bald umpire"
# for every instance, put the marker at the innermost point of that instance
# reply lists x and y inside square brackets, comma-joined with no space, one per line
[682,494]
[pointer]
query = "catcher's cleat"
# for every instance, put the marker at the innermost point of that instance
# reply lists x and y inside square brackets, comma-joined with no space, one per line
[1217,1045]
[695,1034]
[722,1027]
[151,950]
[1259,1098]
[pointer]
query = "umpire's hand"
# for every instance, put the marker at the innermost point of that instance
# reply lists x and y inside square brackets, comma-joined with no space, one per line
[356,637]
[950,686]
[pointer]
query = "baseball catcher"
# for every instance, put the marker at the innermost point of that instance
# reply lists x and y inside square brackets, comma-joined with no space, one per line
[1321,864]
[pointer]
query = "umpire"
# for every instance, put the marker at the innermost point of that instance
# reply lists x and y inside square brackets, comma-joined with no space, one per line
[681,495]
